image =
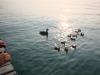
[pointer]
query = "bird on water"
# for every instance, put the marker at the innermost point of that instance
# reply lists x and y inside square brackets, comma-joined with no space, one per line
[44,33]
[57,48]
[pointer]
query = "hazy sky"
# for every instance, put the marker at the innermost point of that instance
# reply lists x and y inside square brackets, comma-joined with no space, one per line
[48,7]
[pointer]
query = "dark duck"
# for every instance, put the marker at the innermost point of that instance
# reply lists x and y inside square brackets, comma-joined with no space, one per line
[63,42]
[73,38]
[79,30]
[66,49]
[82,34]
[57,48]
[44,33]
[74,46]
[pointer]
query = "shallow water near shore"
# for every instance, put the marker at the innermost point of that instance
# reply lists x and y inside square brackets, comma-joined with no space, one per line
[33,54]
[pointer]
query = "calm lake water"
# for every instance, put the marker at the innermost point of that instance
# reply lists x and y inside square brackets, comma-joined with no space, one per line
[33,54]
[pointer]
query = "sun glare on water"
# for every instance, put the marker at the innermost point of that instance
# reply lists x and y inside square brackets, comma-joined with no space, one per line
[63,25]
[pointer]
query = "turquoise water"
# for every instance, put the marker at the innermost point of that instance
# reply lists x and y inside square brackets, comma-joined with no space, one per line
[33,54]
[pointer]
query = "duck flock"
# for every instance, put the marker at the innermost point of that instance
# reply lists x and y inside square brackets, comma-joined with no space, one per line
[67,45]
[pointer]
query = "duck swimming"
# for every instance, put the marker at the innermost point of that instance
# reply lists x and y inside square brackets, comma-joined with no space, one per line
[73,38]
[69,35]
[63,42]
[44,32]
[57,48]
[82,34]
[79,30]
[74,35]
[74,46]
[66,49]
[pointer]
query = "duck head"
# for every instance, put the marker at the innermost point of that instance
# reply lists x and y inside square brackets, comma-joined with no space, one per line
[47,30]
